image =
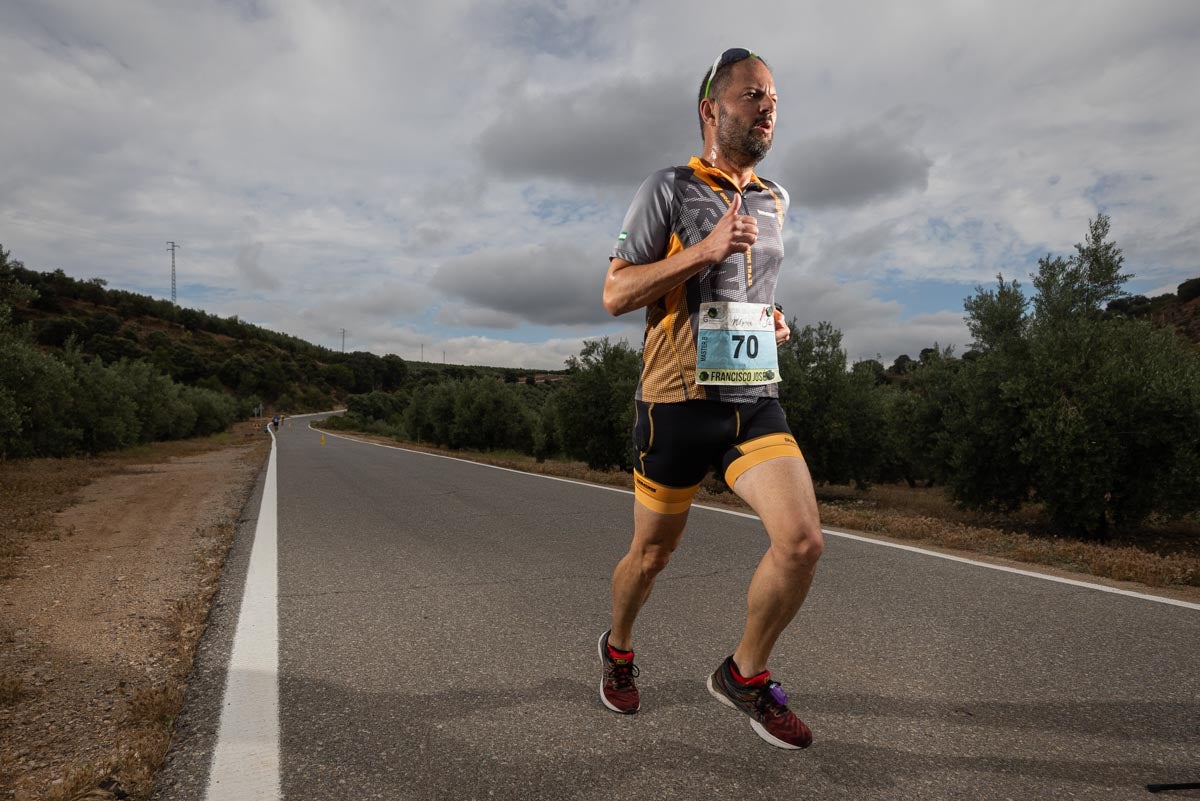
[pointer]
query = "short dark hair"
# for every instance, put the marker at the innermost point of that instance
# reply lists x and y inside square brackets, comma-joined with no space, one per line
[717,84]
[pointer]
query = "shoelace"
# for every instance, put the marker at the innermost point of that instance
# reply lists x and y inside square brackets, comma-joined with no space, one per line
[622,676]
[772,700]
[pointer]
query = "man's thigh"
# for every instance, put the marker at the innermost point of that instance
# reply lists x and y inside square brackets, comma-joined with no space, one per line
[780,491]
[677,444]
[657,530]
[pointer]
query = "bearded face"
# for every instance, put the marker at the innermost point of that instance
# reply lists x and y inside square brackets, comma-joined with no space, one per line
[742,140]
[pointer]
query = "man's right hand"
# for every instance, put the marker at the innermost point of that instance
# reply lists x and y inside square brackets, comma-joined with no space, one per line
[733,233]
[631,286]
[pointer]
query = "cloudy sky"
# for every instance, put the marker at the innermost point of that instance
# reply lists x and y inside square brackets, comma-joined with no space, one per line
[449,177]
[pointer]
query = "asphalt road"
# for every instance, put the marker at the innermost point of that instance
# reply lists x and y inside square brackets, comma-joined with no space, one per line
[437,640]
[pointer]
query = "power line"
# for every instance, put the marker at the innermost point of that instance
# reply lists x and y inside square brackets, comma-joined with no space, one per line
[171,246]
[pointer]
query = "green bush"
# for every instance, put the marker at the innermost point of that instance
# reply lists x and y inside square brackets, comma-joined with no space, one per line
[386,406]
[103,405]
[215,411]
[595,405]
[1188,290]
[160,411]
[58,331]
[488,415]
[1114,424]
[430,414]
[38,390]
[836,415]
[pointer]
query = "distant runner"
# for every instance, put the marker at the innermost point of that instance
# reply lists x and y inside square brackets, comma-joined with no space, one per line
[700,250]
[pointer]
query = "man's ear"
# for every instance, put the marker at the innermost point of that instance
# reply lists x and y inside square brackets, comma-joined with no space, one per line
[708,110]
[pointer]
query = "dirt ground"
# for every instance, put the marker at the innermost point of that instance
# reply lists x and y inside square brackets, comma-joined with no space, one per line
[100,612]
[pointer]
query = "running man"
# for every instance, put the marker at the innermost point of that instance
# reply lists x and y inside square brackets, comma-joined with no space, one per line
[700,250]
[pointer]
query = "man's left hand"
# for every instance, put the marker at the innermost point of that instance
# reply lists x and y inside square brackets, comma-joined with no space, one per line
[782,332]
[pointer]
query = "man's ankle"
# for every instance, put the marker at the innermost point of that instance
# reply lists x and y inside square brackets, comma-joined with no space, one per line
[746,668]
[617,645]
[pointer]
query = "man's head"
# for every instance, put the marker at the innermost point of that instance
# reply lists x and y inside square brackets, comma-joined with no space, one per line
[736,106]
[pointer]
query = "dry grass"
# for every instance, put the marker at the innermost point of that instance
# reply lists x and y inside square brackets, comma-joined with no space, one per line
[1163,554]
[1120,563]
[1160,554]
[11,688]
[127,775]
[32,491]
[151,710]
[83,783]
[157,705]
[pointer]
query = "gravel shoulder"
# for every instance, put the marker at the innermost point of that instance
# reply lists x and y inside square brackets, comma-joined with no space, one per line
[101,609]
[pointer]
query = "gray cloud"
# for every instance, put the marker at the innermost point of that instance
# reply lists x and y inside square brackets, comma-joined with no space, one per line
[549,355]
[853,168]
[870,326]
[558,284]
[459,315]
[247,263]
[888,338]
[855,252]
[542,27]
[611,135]
[374,141]
[390,300]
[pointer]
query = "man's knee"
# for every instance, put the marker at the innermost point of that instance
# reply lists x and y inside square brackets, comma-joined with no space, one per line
[800,546]
[653,559]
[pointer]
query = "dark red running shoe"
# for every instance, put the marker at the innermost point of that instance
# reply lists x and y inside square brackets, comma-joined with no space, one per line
[618,691]
[766,704]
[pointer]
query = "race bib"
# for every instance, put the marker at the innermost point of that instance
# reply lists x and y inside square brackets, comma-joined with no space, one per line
[736,344]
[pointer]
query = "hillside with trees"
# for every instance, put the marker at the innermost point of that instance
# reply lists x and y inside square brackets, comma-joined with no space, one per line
[85,368]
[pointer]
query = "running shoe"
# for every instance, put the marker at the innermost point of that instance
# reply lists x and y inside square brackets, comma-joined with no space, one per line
[618,691]
[765,703]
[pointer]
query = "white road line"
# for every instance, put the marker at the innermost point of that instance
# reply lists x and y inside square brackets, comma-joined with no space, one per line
[830,532]
[245,763]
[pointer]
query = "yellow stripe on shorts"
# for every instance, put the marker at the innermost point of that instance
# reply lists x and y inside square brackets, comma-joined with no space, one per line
[759,450]
[661,498]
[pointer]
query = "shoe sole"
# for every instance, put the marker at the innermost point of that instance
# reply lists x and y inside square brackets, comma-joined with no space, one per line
[603,699]
[759,729]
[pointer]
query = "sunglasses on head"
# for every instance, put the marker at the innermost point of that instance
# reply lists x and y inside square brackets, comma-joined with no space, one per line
[730,56]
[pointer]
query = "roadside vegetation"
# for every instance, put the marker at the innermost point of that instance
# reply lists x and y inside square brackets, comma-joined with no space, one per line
[1073,420]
